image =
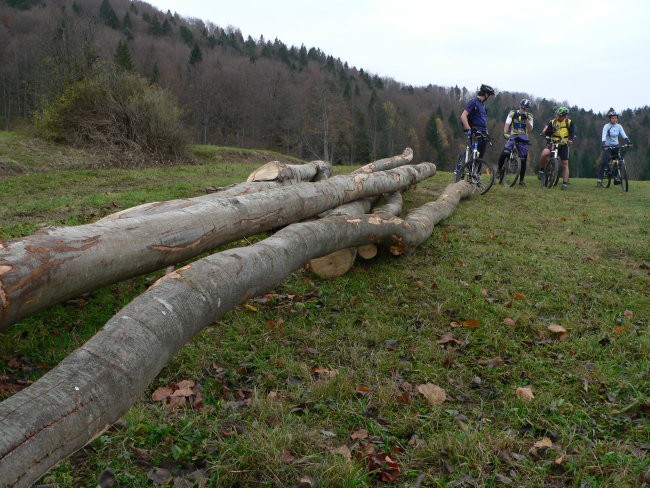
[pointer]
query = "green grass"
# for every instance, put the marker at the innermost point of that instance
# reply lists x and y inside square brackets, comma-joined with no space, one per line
[578,259]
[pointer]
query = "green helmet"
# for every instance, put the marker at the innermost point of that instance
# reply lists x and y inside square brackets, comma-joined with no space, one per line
[562,111]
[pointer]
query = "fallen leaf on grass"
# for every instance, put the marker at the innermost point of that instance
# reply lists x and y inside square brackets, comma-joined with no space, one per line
[250,307]
[591,257]
[491,363]
[560,331]
[519,296]
[286,457]
[448,337]
[526,393]
[162,393]
[619,329]
[343,451]
[545,442]
[433,393]
[359,434]
[509,321]
[471,323]
[628,314]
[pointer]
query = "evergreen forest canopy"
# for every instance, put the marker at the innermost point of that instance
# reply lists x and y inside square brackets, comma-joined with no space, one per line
[258,93]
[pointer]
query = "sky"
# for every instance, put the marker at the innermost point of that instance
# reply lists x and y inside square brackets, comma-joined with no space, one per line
[592,54]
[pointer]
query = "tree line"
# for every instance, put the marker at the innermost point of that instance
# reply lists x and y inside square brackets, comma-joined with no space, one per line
[260,93]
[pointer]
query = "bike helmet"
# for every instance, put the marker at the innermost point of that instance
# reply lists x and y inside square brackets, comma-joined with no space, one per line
[612,113]
[486,89]
[525,103]
[562,111]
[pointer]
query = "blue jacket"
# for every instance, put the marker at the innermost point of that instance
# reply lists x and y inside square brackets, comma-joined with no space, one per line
[476,114]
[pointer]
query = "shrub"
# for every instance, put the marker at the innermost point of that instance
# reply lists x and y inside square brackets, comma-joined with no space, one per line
[114,110]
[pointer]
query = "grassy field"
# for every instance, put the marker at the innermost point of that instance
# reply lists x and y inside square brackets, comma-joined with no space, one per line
[320,382]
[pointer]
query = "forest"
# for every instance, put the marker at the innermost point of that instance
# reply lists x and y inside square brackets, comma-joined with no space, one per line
[261,93]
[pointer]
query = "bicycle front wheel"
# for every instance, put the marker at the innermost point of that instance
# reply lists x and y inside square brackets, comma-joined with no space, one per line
[622,174]
[511,169]
[550,176]
[479,173]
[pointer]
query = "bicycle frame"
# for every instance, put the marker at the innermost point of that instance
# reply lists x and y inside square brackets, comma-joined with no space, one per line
[616,167]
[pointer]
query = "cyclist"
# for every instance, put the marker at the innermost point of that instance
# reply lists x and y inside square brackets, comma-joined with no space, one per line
[474,118]
[609,138]
[518,123]
[560,127]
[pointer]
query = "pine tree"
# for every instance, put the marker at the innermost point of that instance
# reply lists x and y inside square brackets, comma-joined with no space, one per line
[122,57]
[195,55]
[186,35]
[155,74]
[108,15]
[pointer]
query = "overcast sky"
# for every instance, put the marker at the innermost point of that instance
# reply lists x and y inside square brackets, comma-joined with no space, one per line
[589,53]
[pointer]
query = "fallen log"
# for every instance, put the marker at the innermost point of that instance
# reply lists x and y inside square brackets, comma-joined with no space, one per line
[56,264]
[291,173]
[97,383]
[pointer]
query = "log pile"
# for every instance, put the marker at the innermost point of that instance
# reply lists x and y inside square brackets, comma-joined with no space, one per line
[96,384]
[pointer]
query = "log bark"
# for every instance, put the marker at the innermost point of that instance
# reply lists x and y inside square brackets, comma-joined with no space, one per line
[388,163]
[56,264]
[98,382]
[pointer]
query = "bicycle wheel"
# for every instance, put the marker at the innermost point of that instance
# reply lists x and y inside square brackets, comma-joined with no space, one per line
[479,173]
[511,168]
[607,176]
[458,172]
[622,175]
[550,176]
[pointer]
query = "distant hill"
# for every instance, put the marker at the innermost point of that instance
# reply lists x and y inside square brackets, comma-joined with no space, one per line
[260,93]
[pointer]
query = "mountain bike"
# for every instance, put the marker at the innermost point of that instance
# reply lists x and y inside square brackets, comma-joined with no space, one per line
[509,173]
[551,172]
[472,168]
[616,168]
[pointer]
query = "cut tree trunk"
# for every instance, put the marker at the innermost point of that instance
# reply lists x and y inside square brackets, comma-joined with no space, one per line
[292,173]
[97,383]
[56,264]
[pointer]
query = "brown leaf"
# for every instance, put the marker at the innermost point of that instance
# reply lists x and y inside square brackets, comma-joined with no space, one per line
[184,392]
[526,394]
[448,337]
[560,331]
[343,451]
[360,434]
[619,329]
[143,453]
[273,395]
[250,307]
[591,257]
[460,261]
[162,393]
[363,390]
[491,363]
[404,398]
[471,323]
[628,314]
[433,393]
[509,321]
[419,284]
[286,457]
[484,292]
[545,442]
[519,296]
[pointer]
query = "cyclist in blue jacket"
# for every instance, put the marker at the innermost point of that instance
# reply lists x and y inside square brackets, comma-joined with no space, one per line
[611,132]
[474,117]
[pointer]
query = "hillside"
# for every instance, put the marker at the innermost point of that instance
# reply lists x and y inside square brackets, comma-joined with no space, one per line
[259,93]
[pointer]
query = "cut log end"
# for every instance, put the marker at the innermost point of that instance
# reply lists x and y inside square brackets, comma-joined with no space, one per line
[367,251]
[269,172]
[336,264]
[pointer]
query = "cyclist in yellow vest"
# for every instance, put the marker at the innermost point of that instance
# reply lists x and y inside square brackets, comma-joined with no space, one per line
[559,128]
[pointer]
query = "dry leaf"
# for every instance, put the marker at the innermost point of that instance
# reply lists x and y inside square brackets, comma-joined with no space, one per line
[545,442]
[471,323]
[185,384]
[184,392]
[419,284]
[433,393]
[559,330]
[286,457]
[618,330]
[519,296]
[454,324]
[273,395]
[526,394]
[484,292]
[509,321]
[343,451]
[629,314]
[250,307]
[360,434]
[591,257]
[162,393]
[491,363]
[363,390]
[448,337]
